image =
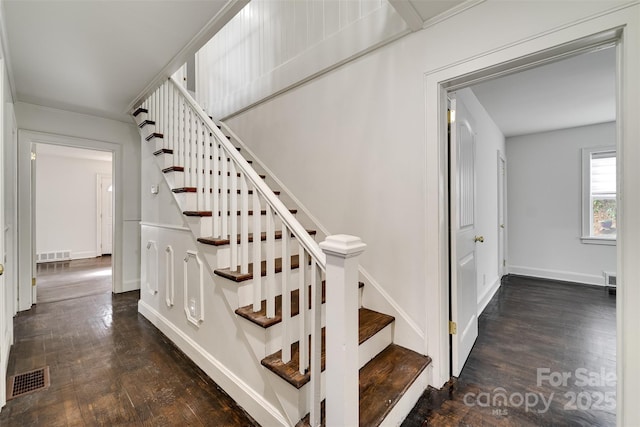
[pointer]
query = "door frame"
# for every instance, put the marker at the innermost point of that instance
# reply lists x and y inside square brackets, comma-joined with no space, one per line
[99,196]
[552,46]
[26,139]
[502,195]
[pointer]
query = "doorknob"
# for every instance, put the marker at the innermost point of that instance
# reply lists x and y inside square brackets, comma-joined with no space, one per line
[1,269]
[479,239]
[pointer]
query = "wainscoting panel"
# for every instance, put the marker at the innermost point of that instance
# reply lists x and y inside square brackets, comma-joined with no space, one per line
[168,277]
[151,282]
[193,288]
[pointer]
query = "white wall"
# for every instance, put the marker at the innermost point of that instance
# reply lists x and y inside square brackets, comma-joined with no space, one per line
[271,45]
[49,125]
[66,203]
[489,141]
[359,146]
[544,183]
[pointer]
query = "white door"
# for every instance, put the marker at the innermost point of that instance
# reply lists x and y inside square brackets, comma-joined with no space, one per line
[464,301]
[106,215]
[502,191]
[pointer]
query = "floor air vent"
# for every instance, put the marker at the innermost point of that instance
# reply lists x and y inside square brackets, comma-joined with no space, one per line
[28,382]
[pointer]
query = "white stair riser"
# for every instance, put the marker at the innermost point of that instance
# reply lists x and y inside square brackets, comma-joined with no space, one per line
[164,160]
[206,230]
[200,226]
[220,256]
[147,130]
[141,117]
[174,179]
[189,201]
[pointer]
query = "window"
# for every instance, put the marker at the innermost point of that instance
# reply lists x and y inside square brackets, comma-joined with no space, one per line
[599,195]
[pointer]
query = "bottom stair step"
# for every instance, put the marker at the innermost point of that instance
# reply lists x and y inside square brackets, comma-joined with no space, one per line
[383,381]
[369,323]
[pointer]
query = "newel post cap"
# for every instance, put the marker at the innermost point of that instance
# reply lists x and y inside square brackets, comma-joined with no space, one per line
[343,245]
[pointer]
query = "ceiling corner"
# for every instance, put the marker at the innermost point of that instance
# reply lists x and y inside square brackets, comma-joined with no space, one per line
[408,14]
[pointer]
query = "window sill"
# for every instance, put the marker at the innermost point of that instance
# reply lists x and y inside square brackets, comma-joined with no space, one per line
[598,241]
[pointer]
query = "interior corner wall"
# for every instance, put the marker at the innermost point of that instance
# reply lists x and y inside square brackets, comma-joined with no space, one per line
[93,133]
[489,141]
[544,181]
[66,203]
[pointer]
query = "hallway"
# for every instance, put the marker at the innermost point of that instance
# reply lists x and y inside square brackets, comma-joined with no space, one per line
[109,366]
[548,347]
[62,280]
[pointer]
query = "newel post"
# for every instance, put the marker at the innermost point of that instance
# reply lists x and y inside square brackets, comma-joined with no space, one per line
[341,374]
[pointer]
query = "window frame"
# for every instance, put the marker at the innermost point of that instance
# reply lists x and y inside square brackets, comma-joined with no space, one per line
[587,220]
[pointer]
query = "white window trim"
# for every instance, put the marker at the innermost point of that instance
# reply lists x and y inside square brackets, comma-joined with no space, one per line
[586,198]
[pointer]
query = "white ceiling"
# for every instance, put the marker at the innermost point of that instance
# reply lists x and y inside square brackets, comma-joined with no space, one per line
[573,92]
[96,56]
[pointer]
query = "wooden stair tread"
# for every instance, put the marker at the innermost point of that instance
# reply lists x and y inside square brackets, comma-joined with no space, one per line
[140,110]
[236,276]
[154,135]
[209,213]
[173,169]
[260,317]
[263,237]
[193,190]
[181,168]
[368,321]
[383,381]
[146,122]
[163,151]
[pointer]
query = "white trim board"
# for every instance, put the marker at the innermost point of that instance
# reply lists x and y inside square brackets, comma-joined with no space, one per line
[26,138]
[608,26]
[563,276]
[248,398]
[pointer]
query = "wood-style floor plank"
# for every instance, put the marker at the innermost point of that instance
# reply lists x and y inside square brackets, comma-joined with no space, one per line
[532,324]
[62,280]
[110,366]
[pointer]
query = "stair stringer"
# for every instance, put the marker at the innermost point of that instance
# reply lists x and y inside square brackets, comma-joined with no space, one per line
[266,410]
[407,332]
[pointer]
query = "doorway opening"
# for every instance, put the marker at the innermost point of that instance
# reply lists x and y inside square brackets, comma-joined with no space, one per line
[522,215]
[73,205]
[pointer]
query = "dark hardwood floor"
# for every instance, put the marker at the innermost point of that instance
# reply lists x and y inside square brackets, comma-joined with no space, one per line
[62,280]
[545,356]
[109,367]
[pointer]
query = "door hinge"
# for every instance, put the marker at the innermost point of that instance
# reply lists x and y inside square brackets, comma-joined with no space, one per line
[453,328]
[504,262]
[33,281]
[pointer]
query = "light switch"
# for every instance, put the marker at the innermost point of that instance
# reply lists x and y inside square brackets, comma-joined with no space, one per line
[154,189]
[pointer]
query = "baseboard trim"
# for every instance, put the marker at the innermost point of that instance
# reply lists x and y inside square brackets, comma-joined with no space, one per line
[563,276]
[130,285]
[486,298]
[249,399]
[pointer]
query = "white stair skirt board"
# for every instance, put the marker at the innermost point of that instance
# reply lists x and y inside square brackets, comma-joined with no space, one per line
[261,410]
[408,400]
[565,276]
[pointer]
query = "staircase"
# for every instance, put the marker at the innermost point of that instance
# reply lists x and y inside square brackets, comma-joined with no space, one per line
[242,228]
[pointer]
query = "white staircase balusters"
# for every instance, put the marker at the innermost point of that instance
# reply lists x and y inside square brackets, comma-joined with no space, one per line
[233,217]
[223,181]
[244,225]
[303,298]
[271,264]
[257,256]
[286,295]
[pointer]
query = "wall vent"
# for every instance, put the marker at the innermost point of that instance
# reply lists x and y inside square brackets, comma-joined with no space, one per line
[53,256]
[609,281]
